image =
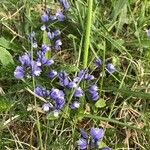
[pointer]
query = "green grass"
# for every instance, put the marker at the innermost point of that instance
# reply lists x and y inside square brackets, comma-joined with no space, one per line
[117,31]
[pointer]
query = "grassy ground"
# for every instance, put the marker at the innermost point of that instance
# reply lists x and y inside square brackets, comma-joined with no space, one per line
[118,33]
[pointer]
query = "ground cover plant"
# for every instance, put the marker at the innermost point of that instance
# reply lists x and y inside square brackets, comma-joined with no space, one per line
[74,74]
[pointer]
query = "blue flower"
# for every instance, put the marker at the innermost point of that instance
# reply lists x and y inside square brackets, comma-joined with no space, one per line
[43,60]
[60,16]
[72,84]
[93,88]
[93,94]
[44,17]
[25,59]
[98,62]
[110,67]
[58,96]
[88,77]
[41,91]
[63,78]
[50,35]
[148,32]
[35,45]
[52,74]
[19,72]
[81,73]
[82,143]
[58,43]
[53,17]
[56,93]
[84,134]
[36,70]
[59,103]
[31,36]
[45,47]
[43,27]
[57,32]
[97,134]
[56,113]
[78,92]
[75,105]
[46,107]
[65,4]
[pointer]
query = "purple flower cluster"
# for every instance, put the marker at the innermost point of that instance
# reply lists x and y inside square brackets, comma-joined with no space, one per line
[56,96]
[30,67]
[109,66]
[96,135]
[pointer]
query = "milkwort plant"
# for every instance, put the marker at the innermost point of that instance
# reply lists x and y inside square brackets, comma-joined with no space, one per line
[66,90]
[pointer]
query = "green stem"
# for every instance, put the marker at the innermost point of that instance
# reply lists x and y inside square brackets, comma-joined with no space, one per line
[87,33]
[35,103]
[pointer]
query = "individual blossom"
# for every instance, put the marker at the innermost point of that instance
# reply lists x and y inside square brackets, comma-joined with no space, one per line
[59,103]
[83,134]
[148,32]
[82,143]
[31,36]
[78,92]
[46,106]
[56,113]
[75,105]
[98,62]
[25,59]
[44,17]
[58,96]
[57,32]
[43,60]
[93,88]
[97,134]
[53,17]
[88,77]
[93,92]
[72,84]
[52,74]
[111,68]
[36,70]
[35,45]
[45,48]
[50,35]
[65,4]
[63,78]
[79,76]
[60,16]
[81,73]
[19,72]
[41,91]
[58,43]
[43,27]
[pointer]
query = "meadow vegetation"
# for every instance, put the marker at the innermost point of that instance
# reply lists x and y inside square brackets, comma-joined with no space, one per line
[75,74]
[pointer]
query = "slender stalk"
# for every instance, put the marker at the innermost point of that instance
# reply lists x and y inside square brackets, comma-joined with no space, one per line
[87,33]
[112,120]
[35,103]
[103,70]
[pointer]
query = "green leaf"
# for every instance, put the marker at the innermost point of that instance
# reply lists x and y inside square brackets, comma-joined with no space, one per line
[5,57]
[46,41]
[101,144]
[8,45]
[100,103]
[4,43]
[70,68]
